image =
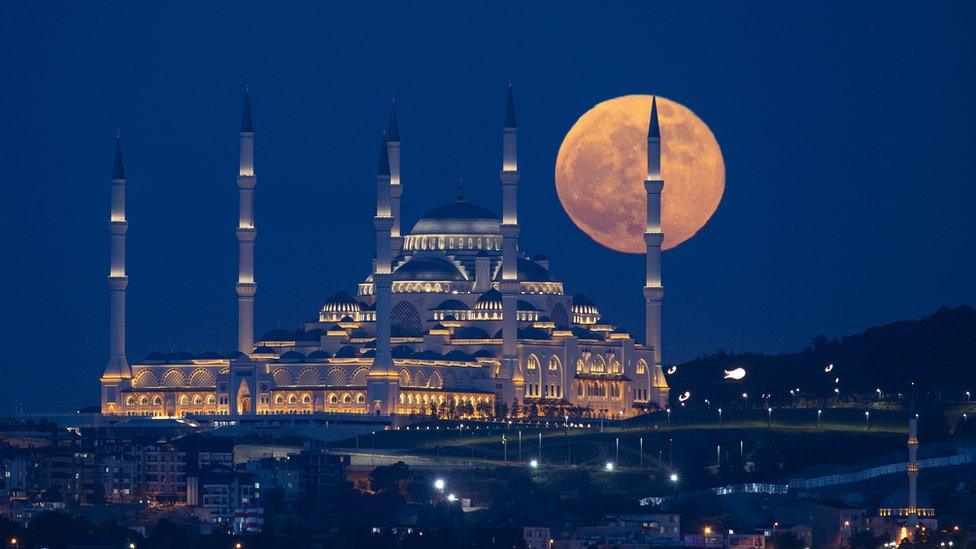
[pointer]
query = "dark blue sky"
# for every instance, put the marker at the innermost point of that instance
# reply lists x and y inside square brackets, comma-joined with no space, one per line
[846,130]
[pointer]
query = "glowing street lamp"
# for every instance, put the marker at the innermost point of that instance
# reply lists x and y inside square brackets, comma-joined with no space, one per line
[452,498]
[769,418]
[534,464]
[673,477]
[867,419]
[819,416]
[669,415]
[608,466]
[439,485]
[719,417]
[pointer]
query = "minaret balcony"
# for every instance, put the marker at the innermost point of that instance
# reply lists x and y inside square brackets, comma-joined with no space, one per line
[118,226]
[653,186]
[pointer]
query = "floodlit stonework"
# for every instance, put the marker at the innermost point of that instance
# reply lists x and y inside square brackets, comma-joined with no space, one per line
[454,320]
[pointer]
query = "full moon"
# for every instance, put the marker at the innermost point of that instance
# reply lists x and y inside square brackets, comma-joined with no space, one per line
[602,164]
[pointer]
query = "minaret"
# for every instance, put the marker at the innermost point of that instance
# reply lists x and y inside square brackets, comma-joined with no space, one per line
[509,285]
[913,466]
[382,382]
[653,237]
[246,232]
[393,150]
[117,368]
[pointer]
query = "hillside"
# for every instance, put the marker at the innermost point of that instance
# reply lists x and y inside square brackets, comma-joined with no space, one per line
[938,352]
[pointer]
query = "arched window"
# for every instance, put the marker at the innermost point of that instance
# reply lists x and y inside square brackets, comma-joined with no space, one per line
[553,363]
[292,399]
[306,399]
[184,400]
[532,363]
[157,401]
[144,400]
[598,365]
[641,367]
[279,399]
[211,399]
[197,400]
[360,398]
[580,367]
[346,399]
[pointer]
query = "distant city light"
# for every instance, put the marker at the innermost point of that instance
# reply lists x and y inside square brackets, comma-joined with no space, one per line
[673,477]
[736,374]
[439,484]
[608,466]
[534,464]
[451,497]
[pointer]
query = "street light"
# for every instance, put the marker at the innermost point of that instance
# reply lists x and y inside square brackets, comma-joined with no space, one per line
[452,498]
[673,477]
[608,466]
[867,419]
[819,415]
[534,464]
[439,484]
[769,419]
[669,415]
[719,417]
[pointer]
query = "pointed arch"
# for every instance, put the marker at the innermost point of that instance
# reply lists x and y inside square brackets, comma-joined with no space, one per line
[559,315]
[436,381]
[404,378]
[420,379]
[336,377]
[202,378]
[173,378]
[359,377]
[146,378]
[309,376]
[406,319]
[282,377]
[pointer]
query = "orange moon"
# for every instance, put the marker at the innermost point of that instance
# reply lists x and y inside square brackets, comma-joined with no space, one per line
[602,164]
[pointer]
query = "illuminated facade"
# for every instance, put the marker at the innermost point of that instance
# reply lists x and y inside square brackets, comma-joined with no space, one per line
[454,320]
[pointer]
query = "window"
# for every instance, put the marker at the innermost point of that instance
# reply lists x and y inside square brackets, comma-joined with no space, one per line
[360,398]
[641,367]
[553,364]
[533,363]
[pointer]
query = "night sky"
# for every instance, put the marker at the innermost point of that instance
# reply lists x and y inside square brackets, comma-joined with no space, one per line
[847,133]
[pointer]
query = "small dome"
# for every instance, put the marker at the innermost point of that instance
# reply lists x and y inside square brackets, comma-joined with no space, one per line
[459,217]
[483,353]
[311,335]
[489,301]
[427,354]
[210,355]
[528,271]
[470,332]
[428,268]
[347,351]
[181,356]
[341,302]
[458,356]
[540,257]
[899,500]
[401,351]
[318,356]
[291,356]
[583,333]
[264,351]
[583,305]
[452,305]
[155,356]
[526,306]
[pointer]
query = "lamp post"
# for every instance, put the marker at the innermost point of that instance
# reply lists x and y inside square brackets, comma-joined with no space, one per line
[520,446]
[641,452]
[867,420]
[769,417]
[819,415]
[616,458]
[669,415]
[745,398]
[719,417]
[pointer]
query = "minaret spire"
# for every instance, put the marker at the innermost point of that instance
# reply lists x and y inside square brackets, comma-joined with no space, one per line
[246,232]
[117,370]
[509,285]
[382,382]
[653,237]
[393,150]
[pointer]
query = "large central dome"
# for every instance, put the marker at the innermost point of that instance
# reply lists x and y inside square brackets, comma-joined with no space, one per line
[458,218]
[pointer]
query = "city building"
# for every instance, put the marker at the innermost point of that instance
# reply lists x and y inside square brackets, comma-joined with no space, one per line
[453,320]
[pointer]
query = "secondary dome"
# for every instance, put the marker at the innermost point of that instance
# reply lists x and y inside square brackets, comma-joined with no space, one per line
[429,268]
[528,271]
[459,217]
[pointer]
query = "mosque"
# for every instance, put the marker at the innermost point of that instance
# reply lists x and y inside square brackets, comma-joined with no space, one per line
[454,320]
